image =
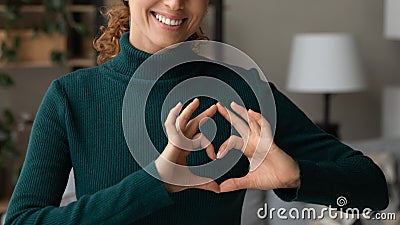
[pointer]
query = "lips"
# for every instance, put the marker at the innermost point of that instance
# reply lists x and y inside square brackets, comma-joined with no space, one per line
[168,20]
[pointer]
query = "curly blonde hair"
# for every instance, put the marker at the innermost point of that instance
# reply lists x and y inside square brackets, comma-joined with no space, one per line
[107,43]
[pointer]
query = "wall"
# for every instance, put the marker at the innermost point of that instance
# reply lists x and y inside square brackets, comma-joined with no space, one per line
[264,30]
[30,87]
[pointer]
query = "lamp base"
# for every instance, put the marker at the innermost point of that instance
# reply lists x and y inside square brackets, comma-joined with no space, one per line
[330,128]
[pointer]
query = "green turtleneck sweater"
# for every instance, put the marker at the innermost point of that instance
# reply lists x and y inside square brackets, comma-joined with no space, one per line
[79,125]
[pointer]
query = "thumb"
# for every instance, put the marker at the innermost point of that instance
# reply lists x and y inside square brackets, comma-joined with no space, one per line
[234,184]
[209,186]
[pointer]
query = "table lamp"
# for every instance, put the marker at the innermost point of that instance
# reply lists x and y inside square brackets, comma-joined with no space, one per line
[325,63]
[391,20]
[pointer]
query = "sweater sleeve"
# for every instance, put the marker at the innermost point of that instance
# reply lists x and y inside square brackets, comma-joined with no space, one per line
[329,169]
[41,184]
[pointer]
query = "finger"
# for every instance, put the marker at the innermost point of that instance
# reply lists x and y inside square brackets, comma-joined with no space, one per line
[200,140]
[171,120]
[262,122]
[223,111]
[257,116]
[234,184]
[211,152]
[240,110]
[207,114]
[191,180]
[187,113]
[185,179]
[241,126]
[254,127]
[233,142]
[194,124]
[209,186]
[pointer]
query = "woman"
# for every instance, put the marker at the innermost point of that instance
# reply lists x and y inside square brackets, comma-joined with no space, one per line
[79,125]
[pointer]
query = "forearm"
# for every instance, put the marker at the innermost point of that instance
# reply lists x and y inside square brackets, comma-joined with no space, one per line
[133,198]
[328,168]
[356,178]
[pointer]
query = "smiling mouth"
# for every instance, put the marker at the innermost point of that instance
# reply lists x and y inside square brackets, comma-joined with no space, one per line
[168,21]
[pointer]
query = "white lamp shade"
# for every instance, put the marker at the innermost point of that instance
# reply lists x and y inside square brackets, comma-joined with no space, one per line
[325,63]
[391,27]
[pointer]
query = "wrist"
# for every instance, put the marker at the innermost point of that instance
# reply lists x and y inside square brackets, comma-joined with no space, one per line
[294,181]
[292,176]
[171,154]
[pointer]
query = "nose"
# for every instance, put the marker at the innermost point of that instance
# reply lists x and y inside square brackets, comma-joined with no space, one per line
[174,4]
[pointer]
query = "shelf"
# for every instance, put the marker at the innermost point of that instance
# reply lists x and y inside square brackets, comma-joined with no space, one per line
[81,62]
[76,62]
[76,46]
[41,8]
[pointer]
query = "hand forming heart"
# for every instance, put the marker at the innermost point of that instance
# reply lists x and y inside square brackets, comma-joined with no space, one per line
[278,170]
[270,166]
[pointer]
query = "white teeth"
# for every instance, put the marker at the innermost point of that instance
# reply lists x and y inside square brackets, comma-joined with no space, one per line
[168,21]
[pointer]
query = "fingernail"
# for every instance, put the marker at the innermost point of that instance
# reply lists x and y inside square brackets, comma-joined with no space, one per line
[218,155]
[250,110]
[179,103]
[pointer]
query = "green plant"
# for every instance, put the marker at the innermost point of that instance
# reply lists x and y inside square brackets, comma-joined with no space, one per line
[11,16]
[10,44]
[8,49]
[7,123]
[5,80]
[59,19]
[7,144]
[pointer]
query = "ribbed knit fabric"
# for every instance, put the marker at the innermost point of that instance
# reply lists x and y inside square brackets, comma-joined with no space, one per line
[79,125]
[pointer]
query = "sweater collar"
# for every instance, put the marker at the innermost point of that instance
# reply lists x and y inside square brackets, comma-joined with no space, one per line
[130,58]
